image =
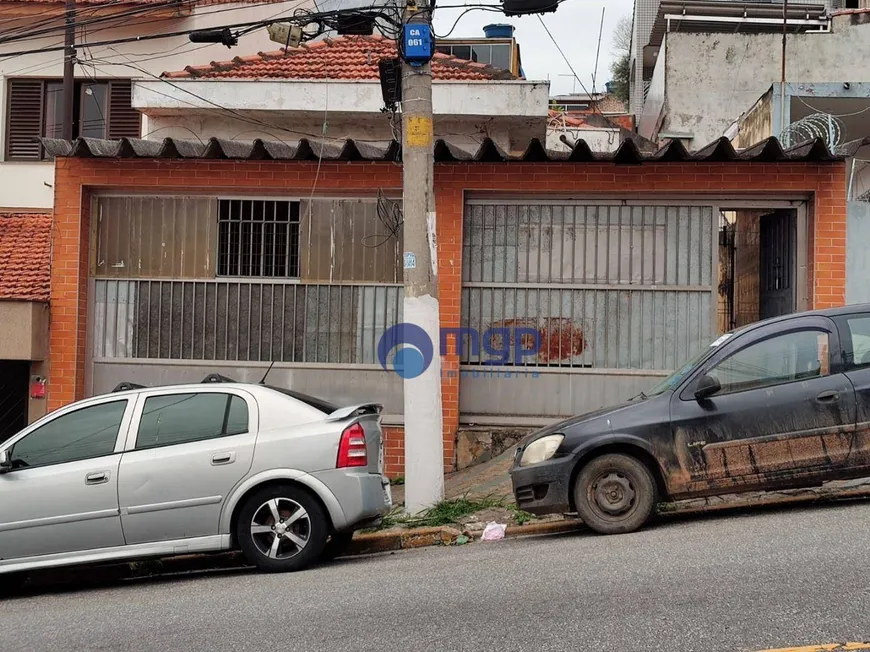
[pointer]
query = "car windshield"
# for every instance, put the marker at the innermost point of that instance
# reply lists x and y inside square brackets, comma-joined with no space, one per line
[677,376]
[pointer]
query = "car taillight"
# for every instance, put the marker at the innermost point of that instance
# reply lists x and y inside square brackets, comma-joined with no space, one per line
[352,449]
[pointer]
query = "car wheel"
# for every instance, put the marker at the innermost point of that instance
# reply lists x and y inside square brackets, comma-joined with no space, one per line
[282,528]
[337,545]
[615,494]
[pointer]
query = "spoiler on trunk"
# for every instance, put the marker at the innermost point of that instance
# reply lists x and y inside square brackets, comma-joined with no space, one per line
[355,410]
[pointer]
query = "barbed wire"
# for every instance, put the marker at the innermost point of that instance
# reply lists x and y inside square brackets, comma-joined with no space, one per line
[823,126]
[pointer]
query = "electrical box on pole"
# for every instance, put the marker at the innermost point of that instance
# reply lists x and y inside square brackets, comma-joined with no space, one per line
[417,44]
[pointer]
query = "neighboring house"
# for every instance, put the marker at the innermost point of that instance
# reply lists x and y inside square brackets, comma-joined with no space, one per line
[603,133]
[652,18]
[703,80]
[30,84]
[497,48]
[25,255]
[600,119]
[331,88]
[839,113]
[584,103]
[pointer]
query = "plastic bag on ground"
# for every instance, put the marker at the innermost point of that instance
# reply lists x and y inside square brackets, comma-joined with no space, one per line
[493,532]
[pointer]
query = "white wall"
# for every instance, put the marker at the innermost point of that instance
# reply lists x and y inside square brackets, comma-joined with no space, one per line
[599,140]
[23,184]
[509,112]
[712,78]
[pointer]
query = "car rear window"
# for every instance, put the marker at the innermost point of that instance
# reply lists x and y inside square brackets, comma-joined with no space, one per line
[316,403]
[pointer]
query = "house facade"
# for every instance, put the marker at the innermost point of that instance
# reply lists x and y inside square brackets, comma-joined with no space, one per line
[31,71]
[702,80]
[247,256]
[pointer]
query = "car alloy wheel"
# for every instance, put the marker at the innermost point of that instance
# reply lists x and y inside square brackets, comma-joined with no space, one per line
[280,528]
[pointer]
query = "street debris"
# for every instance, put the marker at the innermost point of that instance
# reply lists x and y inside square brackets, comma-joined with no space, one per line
[493,531]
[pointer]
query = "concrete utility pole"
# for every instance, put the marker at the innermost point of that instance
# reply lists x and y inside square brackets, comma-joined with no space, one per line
[69,59]
[424,447]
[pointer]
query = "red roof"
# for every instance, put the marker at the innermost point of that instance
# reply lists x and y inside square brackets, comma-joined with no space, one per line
[346,57]
[580,119]
[25,256]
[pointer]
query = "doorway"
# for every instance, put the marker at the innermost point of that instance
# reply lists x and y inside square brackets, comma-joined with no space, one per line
[14,383]
[778,248]
[758,265]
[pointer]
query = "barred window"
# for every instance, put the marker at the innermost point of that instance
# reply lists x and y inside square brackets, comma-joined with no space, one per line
[258,238]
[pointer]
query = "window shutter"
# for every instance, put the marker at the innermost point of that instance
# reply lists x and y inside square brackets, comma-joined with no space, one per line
[124,120]
[24,119]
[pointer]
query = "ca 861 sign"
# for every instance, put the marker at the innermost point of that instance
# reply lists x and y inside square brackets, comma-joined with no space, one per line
[418,43]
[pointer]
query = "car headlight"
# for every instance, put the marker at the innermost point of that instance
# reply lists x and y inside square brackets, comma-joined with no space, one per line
[541,449]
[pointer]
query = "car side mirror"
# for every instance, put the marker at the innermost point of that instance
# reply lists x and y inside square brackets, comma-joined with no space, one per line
[706,387]
[5,461]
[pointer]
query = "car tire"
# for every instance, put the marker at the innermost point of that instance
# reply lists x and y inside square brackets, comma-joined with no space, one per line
[615,494]
[275,535]
[337,545]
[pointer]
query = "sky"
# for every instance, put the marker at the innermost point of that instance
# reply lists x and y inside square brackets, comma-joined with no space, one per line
[575,26]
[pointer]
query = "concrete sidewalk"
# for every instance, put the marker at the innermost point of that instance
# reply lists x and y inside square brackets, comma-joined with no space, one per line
[487,479]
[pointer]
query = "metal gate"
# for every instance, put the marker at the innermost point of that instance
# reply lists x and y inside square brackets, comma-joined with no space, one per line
[619,294]
[14,380]
[778,245]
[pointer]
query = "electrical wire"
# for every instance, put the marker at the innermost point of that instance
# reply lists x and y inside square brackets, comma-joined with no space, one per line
[593,104]
[115,19]
[834,115]
[231,112]
[243,27]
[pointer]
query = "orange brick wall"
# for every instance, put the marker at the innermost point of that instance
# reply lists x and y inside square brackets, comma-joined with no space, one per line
[75,179]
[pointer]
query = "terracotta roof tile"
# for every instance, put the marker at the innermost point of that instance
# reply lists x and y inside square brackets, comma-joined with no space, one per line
[347,57]
[25,256]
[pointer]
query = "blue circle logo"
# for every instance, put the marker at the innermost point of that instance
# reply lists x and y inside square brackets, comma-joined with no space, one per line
[410,347]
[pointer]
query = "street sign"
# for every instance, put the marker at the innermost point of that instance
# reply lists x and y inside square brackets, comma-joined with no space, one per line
[417,42]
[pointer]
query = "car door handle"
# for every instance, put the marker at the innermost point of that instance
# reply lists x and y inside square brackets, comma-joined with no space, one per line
[100,477]
[828,397]
[223,458]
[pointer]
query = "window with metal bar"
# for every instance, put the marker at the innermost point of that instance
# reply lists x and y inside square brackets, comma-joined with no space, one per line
[258,238]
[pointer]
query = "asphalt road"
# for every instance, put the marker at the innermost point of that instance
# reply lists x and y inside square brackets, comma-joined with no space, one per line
[739,582]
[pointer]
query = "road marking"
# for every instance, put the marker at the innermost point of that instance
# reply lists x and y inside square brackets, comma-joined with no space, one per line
[826,647]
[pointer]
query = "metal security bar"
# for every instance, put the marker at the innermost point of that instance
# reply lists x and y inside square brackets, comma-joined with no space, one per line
[604,286]
[258,237]
[241,321]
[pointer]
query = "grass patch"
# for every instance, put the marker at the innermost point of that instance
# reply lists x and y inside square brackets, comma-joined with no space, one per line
[520,516]
[398,481]
[448,512]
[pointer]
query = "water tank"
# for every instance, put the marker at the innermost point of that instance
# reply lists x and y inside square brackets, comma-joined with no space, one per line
[499,30]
